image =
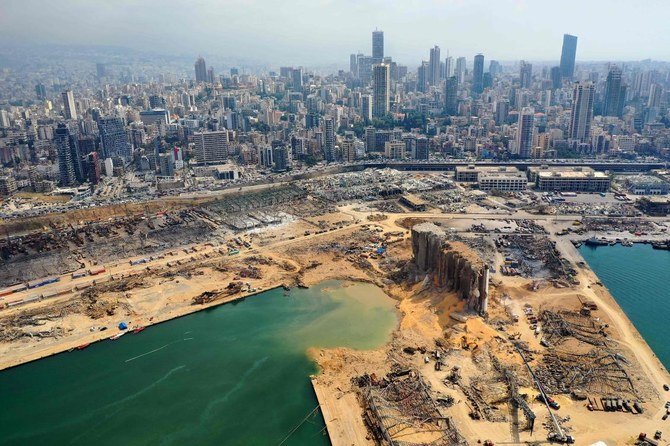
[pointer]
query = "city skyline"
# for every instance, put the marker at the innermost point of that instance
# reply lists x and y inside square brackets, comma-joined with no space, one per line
[508,30]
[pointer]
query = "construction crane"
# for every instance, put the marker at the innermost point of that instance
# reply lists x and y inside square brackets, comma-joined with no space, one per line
[560,436]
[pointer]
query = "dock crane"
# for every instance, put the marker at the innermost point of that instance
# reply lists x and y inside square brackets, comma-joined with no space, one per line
[559,436]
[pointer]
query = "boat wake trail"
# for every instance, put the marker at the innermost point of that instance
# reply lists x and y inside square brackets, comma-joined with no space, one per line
[239,385]
[157,349]
[148,353]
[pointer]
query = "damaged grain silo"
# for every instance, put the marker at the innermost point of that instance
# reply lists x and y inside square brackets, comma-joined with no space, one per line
[453,266]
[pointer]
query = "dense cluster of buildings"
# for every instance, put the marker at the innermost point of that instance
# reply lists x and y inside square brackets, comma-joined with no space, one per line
[78,130]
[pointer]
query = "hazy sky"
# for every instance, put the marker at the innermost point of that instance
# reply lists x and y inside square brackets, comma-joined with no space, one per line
[327,31]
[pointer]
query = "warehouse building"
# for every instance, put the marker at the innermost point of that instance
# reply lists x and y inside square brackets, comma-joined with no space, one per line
[646,185]
[533,171]
[413,202]
[503,181]
[471,173]
[572,181]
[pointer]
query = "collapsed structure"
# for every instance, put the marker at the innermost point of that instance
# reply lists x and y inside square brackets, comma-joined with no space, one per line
[453,266]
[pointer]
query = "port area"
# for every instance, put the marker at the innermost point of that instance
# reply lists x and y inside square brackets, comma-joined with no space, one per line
[454,355]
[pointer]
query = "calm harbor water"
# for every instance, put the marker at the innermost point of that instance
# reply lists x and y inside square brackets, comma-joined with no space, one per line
[237,374]
[637,278]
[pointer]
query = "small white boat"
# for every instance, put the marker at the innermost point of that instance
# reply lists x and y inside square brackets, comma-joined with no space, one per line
[117,336]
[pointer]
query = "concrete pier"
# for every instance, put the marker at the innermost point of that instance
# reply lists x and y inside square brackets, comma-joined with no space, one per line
[342,415]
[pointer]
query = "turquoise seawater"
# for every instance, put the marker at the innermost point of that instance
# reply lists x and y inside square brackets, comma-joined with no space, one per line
[637,278]
[237,374]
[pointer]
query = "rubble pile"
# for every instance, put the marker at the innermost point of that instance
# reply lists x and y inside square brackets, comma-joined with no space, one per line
[210,296]
[400,410]
[596,372]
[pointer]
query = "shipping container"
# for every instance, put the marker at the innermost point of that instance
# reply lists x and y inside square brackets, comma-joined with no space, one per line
[31,299]
[42,282]
[13,289]
[56,293]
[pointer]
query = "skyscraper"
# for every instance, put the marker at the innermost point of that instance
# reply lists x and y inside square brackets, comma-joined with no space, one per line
[502,111]
[655,95]
[434,66]
[296,76]
[494,68]
[353,64]
[364,68]
[281,158]
[460,70]
[69,162]
[555,75]
[524,135]
[366,107]
[568,54]
[582,112]
[200,70]
[615,93]
[377,46]
[478,74]
[211,147]
[381,95]
[329,138]
[114,138]
[69,108]
[451,96]
[525,74]
[422,75]
[448,67]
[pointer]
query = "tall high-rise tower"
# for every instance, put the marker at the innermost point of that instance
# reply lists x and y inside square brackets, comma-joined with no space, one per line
[353,65]
[525,74]
[460,70]
[377,46]
[555,75]
[655,95]
[524,136]
[68,105]
[366,107]
[568,55]
[582,111]
[451,96]
[364,68]
[502,111]
[381,95]
[329,138]
[434,63]
[449,67]
[422,74]
[69,162]
[200,70]
[478,74]
[114,137]
[615,93]
[296,76]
